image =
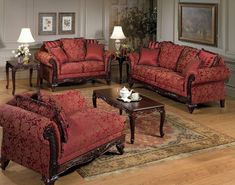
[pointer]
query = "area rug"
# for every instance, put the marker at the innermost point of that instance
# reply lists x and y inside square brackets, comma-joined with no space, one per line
[182,137]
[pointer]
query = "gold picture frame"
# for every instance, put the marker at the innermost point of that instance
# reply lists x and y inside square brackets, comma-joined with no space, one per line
[66,23]
[197,22]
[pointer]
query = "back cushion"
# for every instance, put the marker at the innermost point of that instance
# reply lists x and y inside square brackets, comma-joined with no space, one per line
[208,58]
[185,58]
[169,55]
[46,110]
[52,44]
[74,48]
[153,45]
[91,41]
[148,56]
[59,54]
[95,52]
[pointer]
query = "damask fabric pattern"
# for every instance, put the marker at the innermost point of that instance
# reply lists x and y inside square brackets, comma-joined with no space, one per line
[108,56]
[207,92]
[134,58]
[95,52]
[212,74]
[48,110]
[93,66]
[185,58]
[149,57]
[72,68]
[169,55]
[89,129]
[75,49]
[59,54]
[43,57]
[208,58]
[23,140]
[51,44]
[70,101]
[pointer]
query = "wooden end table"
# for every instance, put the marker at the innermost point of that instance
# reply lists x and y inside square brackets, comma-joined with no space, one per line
[121,60]
[15,66]
[132,108]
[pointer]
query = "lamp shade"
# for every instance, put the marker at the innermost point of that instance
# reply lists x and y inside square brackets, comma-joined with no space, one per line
[117,33]
[25,36]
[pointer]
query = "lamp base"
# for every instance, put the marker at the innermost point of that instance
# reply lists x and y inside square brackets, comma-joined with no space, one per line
[117,44]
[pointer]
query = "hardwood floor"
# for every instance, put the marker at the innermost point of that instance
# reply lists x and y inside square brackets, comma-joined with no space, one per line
[212,167]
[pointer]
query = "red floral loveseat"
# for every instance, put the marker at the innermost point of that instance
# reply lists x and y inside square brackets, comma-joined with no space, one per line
[73,59]
[52,133]
[188,74]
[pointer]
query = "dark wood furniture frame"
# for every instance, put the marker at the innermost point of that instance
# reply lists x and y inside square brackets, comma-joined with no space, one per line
[187,99]
[56,81]
[132,108]
[121,60]
[55,169]
[15,66]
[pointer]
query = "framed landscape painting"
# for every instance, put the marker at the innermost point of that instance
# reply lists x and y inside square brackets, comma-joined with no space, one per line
[198,23]
[47,23]
[66,23]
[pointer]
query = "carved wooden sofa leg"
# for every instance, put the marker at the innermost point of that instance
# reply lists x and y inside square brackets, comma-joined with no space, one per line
[4,163]
[48,181]
[222,103]
[120,147]
[191,108]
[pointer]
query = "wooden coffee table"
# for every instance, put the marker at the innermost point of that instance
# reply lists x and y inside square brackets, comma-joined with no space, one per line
[132,108]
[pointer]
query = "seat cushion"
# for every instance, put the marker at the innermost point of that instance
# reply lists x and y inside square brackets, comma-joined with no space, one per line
[93,66]
[75,49]
[148,72]
[170,80]
[90,129]
[169,55]
[71,68]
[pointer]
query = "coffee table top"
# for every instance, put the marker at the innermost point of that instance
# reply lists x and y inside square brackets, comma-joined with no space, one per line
[111,95]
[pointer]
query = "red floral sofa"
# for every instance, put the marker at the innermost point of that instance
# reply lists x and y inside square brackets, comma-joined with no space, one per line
[73,59]
[52,133]
[188,74]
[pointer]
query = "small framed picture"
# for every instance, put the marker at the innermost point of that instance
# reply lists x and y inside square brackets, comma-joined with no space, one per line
[66,23]
[47,23]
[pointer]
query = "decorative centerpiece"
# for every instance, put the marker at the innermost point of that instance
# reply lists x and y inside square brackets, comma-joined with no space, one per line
[125,93]
[22,54]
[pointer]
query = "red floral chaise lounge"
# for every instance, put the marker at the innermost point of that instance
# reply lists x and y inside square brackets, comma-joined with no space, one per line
[191,75]
[51,133]
[73,59]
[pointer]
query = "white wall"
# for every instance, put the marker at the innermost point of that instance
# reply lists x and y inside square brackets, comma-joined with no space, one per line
[168,30]
[15,14]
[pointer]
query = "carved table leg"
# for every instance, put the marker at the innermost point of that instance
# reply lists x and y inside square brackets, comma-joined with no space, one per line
[120,148]
[94,99]
[4,163]
[7,75]
[132,126]
[222,103]
[162,120]
[13,81]
[30,77]
[120,70]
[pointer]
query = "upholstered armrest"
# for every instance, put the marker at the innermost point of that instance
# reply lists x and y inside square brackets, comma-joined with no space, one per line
[108,56]
[71,101]
[204,75]
[133,58]
[44,57]
[26,124]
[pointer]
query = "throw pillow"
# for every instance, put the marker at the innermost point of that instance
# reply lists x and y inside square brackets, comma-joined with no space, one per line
[51,44]
[74,48]
[192,66]
[153,45]
[59,54]
[95,52]
[148,56]
[208,58]
[46,110]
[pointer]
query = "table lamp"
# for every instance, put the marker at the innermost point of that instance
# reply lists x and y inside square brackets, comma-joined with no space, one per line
[25,38]
[117,34]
